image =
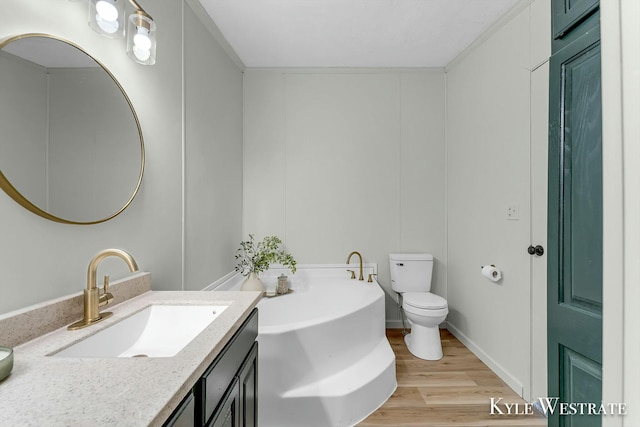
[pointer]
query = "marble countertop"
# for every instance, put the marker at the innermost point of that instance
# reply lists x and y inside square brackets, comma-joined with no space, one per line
[50,391]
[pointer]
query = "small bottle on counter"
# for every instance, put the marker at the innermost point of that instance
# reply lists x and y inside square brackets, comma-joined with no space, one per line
[283,285]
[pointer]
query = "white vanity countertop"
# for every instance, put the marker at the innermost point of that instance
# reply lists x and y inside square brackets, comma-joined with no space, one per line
[60,391]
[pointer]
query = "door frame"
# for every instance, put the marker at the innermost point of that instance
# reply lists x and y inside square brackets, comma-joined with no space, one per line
[620,24]
[539,122]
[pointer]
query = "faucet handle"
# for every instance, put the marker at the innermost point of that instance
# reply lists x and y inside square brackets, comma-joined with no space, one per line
[353,274]
[106,296]
[370,280]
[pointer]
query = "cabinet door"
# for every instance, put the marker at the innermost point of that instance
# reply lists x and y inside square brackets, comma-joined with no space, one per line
[248,377]
[228,414]
[225,368]
[567,14]
[183,416]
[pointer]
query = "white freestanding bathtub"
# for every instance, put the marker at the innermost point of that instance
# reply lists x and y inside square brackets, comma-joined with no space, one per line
[324,360]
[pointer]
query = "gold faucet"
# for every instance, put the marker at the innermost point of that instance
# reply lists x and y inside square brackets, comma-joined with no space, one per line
[92,298]
[349,259]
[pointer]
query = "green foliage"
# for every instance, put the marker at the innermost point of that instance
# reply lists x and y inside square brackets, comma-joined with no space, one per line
[256,258]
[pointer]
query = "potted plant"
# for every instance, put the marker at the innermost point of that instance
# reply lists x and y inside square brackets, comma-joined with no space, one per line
[254,258]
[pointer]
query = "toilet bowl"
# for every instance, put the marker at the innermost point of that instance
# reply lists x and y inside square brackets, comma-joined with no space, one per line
[411,279]
[425,312]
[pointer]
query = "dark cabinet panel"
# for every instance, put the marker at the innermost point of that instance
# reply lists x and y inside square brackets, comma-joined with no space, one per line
[239,406]
[248,377]
[228,413]
[184,415]
[225,367]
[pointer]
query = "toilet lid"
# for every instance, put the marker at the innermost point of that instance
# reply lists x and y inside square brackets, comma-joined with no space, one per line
[424,300]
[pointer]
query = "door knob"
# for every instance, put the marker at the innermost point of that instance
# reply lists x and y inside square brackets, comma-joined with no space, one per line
[535,250]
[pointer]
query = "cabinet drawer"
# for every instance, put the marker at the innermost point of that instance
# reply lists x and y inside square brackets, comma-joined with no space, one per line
[220,376]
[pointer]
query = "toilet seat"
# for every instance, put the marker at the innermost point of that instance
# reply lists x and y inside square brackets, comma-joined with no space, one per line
[424,300]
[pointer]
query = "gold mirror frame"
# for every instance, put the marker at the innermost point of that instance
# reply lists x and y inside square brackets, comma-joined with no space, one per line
[26,203]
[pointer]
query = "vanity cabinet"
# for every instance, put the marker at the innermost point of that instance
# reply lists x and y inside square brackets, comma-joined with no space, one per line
[238,408]
[226,395]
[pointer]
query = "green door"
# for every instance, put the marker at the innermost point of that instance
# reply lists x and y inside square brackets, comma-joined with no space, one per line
[574,305]
[567,14]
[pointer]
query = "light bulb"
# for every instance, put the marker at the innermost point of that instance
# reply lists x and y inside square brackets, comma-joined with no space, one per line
[141,39]
[109,27]
[141,54]
[106,10]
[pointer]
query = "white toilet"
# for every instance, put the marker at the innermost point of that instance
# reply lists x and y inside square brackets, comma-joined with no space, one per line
[411,277]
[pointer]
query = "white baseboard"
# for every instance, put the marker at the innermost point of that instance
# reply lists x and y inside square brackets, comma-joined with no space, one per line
[393,324]
[492,364]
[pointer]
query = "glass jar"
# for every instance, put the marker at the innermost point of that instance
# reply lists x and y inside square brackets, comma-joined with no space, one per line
[283,285]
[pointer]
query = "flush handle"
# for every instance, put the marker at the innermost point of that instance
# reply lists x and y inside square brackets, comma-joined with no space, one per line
[535,250]
[399,264]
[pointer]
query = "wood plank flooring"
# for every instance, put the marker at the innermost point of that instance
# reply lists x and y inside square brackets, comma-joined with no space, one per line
[453,391]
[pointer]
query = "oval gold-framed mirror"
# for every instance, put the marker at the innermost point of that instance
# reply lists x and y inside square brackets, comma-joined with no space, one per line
[71,145]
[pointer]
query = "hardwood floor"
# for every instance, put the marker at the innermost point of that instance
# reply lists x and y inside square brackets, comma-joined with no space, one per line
[453,391]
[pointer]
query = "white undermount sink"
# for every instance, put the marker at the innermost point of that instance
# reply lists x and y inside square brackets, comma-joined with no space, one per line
[155,331]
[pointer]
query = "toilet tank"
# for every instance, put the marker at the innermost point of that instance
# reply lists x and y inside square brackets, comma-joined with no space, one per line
[411,272]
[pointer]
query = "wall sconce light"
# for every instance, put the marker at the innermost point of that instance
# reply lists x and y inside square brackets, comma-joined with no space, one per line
[141,38]
[106,17]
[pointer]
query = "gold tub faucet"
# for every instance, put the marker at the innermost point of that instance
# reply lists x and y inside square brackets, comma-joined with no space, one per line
[92,298]
[360,257]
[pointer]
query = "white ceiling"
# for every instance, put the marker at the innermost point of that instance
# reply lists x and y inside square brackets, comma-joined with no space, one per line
[352,33]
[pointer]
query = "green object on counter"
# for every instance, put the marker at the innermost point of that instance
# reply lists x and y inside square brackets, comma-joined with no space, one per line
[6,362]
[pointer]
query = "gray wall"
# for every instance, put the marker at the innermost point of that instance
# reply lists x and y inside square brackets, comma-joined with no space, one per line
[488,169]
[40,260]
[213,120]
[345,160]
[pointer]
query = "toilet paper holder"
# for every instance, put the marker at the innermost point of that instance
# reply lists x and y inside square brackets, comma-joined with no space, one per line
[491,272]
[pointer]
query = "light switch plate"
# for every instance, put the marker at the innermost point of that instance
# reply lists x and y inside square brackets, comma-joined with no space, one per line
[513,212]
